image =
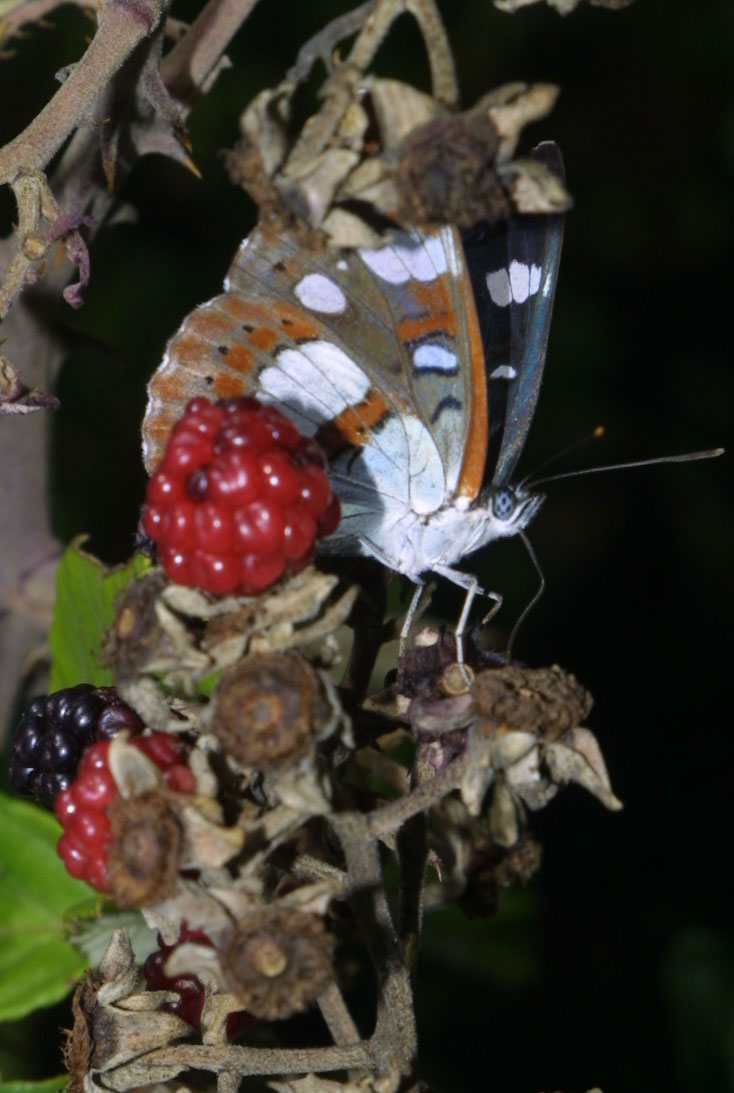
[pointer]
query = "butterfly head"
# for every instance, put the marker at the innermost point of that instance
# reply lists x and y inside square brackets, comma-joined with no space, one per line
[513,508]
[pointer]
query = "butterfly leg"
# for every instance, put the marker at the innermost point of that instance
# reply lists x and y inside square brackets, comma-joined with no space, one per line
[471,585]
[374,551]
[410,614]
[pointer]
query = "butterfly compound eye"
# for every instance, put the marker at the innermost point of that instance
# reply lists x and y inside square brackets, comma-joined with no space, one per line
[503,504]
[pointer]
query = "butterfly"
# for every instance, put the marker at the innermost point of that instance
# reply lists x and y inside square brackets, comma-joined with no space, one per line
[416,364]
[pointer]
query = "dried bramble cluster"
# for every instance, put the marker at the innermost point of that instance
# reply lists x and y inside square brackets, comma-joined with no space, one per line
[254,847]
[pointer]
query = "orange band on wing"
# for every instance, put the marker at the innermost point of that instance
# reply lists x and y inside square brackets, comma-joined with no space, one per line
[350,427]
[475,449]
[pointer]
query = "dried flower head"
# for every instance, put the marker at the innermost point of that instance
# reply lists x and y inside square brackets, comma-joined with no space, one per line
[545,701]
[143,863]
[445,173]
[268,709]
[277,961]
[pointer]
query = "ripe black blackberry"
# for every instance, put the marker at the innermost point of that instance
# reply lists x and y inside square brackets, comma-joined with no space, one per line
[54,731]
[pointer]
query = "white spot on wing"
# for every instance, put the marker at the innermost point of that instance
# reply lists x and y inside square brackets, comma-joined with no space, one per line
[320,293]
[498,284]
[519,281]
[503,372]
[314,383]
[515,284]
[415,259]
[434,357]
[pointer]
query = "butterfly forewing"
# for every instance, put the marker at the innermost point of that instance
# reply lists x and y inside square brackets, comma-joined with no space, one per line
[367,349]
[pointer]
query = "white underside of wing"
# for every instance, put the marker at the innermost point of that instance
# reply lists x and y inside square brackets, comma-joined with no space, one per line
[398,467]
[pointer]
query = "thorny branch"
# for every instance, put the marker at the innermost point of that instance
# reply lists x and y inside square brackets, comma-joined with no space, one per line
[121,29]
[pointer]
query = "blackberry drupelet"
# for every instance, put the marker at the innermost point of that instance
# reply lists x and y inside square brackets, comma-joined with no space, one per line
[54,731]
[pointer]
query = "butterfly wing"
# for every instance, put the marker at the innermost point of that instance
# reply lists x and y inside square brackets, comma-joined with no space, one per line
[514,270]
[376,352]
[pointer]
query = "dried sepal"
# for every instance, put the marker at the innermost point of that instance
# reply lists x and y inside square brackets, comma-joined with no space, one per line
[207,843]
[193,903]
[317,1083]
[577,757]
[166,633]
[145,856]
[77,1046]
[116,1025]
[134,773]
[276,962]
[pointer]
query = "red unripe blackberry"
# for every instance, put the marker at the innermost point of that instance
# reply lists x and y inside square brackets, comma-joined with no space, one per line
[55,729]
[188,987]
[81,806]
[239,498]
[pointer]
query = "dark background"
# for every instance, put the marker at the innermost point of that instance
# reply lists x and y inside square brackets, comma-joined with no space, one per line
[614,968]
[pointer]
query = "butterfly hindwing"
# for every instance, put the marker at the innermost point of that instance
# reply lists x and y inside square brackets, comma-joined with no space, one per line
[514,269]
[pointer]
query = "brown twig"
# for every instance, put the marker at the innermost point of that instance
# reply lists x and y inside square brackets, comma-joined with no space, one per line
[121,28]
[255,1060]
[195,60]
[394,1041]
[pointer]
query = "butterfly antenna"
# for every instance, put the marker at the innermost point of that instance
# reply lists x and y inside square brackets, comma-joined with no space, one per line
[686,457]
[595,435]
[529,606]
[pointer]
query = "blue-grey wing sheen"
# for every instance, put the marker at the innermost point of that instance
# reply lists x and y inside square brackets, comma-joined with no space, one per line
[514,270]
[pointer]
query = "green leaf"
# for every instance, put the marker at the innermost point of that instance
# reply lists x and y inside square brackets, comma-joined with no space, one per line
[48,1085]
[94,935]
[37,966]
[86,594]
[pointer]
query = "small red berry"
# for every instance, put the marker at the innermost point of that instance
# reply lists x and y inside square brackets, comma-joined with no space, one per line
[81,808]
[164,488]
[189,988]
[239,499]
[214,525]
[259,528]
[259,573]
[315,492]
[217,573]
[300,532]
[235,477]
